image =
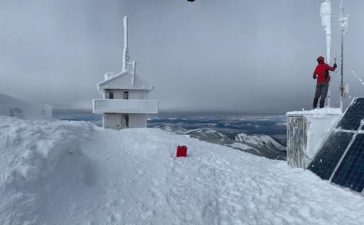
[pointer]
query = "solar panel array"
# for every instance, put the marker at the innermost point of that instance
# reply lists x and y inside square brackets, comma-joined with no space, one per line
[353,115]
[341,158]
[327,158]
[350,173]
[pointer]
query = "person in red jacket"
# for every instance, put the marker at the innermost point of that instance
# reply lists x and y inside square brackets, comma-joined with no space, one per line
[321,73]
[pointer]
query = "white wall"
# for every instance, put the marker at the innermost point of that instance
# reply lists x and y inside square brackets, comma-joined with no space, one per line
[117,121]
[113,121]
[10,106]
[138,120]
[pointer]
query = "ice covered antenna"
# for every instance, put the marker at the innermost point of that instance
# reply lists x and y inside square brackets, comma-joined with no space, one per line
[344,20]
[326,15]
[125,49]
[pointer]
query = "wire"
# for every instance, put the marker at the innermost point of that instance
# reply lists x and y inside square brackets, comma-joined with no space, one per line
[357,77]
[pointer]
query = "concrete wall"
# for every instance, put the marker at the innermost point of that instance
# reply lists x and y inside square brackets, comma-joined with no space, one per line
[10,106]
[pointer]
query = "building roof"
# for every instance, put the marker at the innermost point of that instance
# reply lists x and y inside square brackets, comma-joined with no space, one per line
[124,81]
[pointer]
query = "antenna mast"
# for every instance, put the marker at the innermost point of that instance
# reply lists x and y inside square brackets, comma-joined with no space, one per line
[125,49]
[326,15]
[344,29]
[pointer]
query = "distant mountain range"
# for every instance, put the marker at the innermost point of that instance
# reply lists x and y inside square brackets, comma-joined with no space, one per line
[261,145]
[262,135]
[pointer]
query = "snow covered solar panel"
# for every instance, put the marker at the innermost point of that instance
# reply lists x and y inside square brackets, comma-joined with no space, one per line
[350,173]
[353,115]
[327,158]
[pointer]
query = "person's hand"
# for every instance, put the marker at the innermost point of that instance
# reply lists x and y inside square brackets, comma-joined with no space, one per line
[314,76]
[335,65]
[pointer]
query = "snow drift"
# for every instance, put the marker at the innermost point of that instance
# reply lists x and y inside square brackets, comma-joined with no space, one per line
[76,173]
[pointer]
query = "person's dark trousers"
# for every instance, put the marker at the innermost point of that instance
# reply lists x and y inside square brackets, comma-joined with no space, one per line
[321,92]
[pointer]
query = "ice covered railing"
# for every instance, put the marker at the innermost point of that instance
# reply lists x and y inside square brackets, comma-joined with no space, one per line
[124,106]
[306,131]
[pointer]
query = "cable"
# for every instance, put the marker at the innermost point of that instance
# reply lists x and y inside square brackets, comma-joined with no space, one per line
[357,77]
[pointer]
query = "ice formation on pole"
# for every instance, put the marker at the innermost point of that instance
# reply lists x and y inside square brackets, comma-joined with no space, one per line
[125,50]
[344,21]
[325,13]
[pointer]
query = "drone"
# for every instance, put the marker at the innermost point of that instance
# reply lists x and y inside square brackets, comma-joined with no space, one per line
[190,0]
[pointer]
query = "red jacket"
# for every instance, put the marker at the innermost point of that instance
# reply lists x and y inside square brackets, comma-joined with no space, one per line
[322,73]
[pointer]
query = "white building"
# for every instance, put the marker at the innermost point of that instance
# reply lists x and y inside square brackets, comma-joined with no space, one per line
[124,103]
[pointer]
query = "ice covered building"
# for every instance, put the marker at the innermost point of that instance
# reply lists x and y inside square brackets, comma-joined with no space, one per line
[338,154]
[306,131]
[124,103]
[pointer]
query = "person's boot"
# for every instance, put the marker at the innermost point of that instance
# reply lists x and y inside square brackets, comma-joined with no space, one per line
[322,102]
[315,101]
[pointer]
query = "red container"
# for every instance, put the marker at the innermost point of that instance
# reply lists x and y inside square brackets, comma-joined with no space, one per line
[181,151]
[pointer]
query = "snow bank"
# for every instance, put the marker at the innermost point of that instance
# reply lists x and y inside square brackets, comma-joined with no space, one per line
[10,106]
[30,151]
[80,174]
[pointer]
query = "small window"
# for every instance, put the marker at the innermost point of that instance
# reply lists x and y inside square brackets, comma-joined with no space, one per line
[126,95]
[111,95]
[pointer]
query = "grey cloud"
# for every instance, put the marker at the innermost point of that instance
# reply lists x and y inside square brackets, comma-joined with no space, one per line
[242,56]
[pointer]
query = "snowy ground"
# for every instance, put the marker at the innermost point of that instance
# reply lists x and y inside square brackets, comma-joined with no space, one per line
[75,173]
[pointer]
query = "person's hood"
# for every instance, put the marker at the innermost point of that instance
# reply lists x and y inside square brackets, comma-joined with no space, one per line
[321,60]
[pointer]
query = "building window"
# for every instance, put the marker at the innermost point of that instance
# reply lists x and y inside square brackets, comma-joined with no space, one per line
[126,95]
[111,95]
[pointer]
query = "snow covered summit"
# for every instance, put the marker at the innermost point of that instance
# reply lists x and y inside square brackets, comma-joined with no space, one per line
[75,173]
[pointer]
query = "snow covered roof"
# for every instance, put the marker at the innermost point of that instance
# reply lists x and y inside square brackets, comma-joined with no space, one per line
[124,80]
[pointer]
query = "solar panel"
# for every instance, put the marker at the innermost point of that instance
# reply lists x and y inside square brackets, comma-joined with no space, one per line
[353,115]
[327,158]
[345,167]
[350,173]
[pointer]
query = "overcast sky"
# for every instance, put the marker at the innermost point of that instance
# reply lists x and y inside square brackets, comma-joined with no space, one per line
[210,55]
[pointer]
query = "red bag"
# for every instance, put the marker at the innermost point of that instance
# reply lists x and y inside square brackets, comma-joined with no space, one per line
[181,151]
